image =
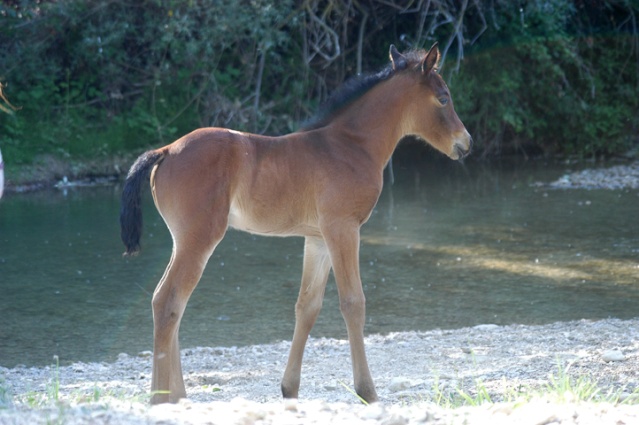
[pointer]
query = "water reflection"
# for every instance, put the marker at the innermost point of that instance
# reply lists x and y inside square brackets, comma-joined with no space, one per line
[446,247]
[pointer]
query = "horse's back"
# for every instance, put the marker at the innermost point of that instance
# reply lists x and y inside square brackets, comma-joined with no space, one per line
[264,185]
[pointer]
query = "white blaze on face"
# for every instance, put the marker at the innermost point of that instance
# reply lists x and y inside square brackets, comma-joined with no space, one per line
[1,175]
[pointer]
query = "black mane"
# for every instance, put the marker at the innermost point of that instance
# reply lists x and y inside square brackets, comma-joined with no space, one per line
[354,88]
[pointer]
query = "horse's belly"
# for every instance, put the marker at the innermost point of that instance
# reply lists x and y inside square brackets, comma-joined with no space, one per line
[271,224]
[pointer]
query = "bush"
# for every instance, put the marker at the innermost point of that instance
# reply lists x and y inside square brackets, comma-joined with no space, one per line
[98,77]
[554,77]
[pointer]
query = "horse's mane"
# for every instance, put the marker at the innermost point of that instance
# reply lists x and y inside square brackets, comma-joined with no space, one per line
[356,87]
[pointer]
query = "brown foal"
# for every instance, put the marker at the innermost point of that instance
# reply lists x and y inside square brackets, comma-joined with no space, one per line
[321,183]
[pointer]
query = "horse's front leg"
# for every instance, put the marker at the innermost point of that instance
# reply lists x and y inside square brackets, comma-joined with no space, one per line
[343,245]
[309,303]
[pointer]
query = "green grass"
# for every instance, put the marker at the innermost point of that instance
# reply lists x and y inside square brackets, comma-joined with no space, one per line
[353,393]
[564,388]
[561,388]
[53,396]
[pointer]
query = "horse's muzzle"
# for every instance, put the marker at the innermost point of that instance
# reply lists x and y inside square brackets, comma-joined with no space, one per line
[462,148]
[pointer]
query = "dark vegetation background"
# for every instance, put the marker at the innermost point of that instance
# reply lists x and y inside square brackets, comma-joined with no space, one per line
[97,78]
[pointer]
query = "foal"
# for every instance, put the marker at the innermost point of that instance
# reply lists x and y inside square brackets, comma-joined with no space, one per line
[321,183]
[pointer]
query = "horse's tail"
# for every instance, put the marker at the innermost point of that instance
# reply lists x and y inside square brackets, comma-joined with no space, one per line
[131,206]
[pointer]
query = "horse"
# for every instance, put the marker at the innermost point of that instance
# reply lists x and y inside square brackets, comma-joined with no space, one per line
[320,182]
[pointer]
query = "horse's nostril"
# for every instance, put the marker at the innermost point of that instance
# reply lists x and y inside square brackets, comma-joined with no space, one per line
[461,151]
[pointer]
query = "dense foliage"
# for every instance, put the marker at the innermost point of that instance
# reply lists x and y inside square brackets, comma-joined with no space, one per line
[98,77]
[555,76]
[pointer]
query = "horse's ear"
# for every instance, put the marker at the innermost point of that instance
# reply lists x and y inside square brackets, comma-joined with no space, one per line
[431,60]
[398,60]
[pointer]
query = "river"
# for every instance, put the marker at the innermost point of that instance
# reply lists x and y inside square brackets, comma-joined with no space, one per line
[447,246]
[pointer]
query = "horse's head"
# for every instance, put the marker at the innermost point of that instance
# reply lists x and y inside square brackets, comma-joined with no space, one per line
[429,111]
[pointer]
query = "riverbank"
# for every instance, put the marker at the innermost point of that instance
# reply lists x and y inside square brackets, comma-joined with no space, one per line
[49,172]
[615,177]
[421,377]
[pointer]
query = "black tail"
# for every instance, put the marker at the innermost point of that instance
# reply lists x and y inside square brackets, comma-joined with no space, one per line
[131,206]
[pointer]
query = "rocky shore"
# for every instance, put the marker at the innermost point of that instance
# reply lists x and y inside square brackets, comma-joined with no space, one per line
[530,375]
[612,178]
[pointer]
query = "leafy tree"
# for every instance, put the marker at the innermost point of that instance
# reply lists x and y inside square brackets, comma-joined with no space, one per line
[97,77]
[554,76]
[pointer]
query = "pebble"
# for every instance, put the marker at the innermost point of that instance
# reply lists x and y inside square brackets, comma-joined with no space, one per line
[486,327]
[332,385]
[613,356]
[399,384]
[78,367]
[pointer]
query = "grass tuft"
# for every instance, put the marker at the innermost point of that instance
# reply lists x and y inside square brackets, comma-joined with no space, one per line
[561,388]
[354,393]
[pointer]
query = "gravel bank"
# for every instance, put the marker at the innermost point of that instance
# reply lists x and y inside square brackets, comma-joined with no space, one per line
[611,178]
[241,385]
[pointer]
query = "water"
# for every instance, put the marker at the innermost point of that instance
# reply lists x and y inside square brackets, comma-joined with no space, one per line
[446,247]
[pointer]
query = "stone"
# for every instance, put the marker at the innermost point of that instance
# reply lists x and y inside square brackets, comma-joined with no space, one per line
[486,327]
[399,384]
[613,356]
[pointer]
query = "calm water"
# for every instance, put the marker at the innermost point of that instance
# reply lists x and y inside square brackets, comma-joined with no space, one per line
[447,246]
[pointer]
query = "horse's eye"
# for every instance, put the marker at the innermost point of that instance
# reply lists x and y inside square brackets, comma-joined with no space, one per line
[443,100]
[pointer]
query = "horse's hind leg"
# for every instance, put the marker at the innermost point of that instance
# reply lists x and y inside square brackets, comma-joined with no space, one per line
[309,303]
[190,255]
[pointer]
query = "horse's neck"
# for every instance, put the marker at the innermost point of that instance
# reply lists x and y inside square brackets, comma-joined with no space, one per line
[374,122]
